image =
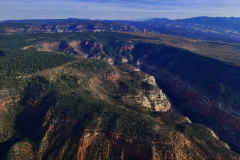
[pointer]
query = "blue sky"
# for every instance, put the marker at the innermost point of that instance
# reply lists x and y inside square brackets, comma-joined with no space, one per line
[118,9]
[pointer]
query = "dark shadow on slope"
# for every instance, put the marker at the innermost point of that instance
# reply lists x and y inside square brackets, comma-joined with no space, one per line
[2,53]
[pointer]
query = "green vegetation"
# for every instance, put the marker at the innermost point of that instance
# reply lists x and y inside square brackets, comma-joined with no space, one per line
[56,107]
[31,61]
[91,65]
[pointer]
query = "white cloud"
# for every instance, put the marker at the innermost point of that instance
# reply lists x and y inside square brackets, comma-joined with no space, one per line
[19,9]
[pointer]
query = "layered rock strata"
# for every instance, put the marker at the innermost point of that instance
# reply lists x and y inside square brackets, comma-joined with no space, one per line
[222,117]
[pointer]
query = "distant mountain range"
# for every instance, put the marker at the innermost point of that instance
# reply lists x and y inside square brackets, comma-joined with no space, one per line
[63,25]
[208,28]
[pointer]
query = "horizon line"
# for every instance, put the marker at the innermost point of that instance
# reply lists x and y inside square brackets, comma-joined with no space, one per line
[137,19]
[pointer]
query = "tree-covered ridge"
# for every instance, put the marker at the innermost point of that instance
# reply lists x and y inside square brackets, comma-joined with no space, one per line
[12,42]
[53,91]
[14,58]
[59,108]
[30,61]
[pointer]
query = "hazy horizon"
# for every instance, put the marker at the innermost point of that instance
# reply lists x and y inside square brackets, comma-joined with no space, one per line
[138,19]
[116,10]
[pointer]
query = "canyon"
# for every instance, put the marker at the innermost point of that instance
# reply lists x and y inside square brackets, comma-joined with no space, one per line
[193,101]
[115,96]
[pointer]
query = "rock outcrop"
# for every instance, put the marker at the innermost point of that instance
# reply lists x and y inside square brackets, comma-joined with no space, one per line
[156,101]
[150,95]
[208,109]
[95,50]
